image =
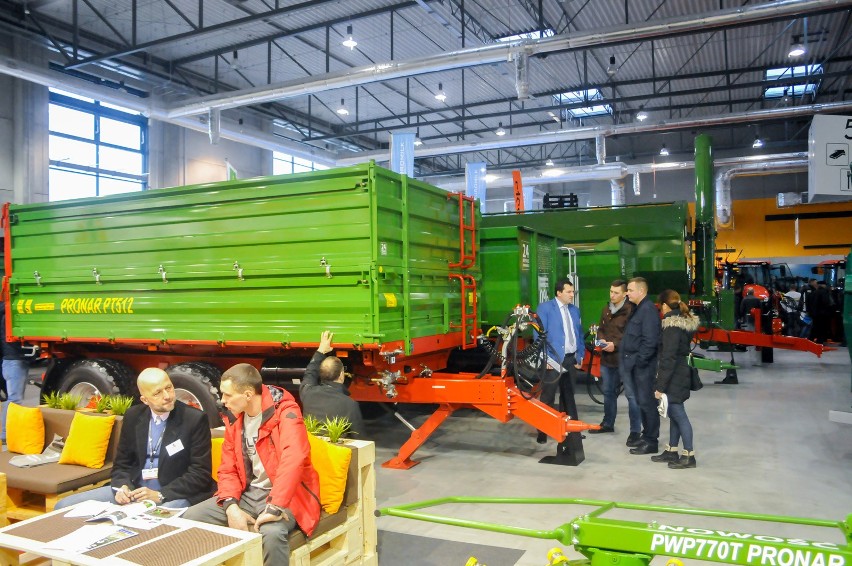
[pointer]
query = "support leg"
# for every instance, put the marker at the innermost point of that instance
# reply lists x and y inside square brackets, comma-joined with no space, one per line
[402,461]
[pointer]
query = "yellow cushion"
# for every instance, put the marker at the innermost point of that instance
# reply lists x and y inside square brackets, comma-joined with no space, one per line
[332,464]
[88,440]
[24,429]
[216,453]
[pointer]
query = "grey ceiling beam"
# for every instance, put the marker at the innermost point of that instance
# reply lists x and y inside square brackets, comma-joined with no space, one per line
[192,34]
[349,129]
[289,33]
[592,132]
[496,53]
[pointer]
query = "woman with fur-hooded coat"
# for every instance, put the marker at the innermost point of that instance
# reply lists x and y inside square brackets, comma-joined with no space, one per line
[674,377]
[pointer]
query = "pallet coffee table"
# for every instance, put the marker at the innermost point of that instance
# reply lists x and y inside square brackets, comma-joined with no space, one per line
[181,541]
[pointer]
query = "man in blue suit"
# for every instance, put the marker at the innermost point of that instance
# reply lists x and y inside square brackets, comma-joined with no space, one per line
[560,319]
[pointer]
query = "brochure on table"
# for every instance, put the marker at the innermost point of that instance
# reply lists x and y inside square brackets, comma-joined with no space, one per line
[111,523]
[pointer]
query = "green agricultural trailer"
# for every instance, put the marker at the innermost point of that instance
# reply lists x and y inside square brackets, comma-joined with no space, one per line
[195,279]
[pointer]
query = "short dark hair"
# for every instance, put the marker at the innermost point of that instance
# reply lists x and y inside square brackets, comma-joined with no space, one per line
[244,377]
[619,283]
[560,284]
[330,369]
[641,282]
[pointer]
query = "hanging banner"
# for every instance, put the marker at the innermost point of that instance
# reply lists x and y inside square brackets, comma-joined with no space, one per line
[402,153]
[231,171]
[474,175]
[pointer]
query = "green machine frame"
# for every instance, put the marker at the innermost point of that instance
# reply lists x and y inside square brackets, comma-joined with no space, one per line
[606,541]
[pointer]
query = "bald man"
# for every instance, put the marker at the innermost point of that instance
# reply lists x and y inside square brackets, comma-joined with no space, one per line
[163,453]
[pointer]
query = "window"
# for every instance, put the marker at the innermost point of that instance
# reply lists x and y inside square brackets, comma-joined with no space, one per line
[787,74]
[583,96]
[96,149]
[284,164]
[530,35]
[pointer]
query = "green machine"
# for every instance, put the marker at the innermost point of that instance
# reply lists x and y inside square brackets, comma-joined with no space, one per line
[361,250]
[597,266]
[616,541]
[658,231]
[519,266]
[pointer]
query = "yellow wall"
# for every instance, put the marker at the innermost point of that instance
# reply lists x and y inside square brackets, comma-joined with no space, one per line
[757,238]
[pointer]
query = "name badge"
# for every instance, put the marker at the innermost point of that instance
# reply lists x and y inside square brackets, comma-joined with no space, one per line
[149,473]
[174,447]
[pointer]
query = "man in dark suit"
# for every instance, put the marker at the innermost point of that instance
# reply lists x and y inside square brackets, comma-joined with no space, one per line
[163,453]
[639,348]
[323,391]
[560,320]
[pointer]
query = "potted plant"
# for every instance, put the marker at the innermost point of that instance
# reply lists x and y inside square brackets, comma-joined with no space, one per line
[119,404]
[336,427]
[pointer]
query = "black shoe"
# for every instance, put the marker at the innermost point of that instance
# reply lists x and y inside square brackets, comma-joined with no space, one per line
[634,439]
[683,462]
[666,456]
[541,438]
[604,428]
[645,448]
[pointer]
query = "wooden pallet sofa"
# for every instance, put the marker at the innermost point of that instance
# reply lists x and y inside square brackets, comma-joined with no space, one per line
[36,490]
[349,536]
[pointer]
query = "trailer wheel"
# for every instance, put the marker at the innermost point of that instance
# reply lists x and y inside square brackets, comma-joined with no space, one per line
[88,378]
[193,383]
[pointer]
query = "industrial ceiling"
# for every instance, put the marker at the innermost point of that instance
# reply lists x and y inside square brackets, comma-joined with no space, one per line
[538,70]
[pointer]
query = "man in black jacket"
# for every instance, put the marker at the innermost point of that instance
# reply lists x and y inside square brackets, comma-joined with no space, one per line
[639,347]
[323,392]
[163,453]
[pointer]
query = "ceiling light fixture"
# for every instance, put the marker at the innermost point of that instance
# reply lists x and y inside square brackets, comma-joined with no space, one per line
[796,50]
[641,115]
[343,111]
[549,163]
[664,151]
[417,141]
[349,41]
[758,143]
[440,96]
[554,117]
[611,69]
[500,131]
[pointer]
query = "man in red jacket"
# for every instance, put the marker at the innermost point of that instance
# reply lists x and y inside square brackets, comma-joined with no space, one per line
[266,478]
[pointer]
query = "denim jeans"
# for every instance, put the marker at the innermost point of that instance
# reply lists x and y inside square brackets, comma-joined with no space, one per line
[634,414]
[610,378]
[680,426]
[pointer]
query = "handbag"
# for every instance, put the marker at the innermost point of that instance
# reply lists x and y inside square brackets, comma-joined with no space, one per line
[694,381]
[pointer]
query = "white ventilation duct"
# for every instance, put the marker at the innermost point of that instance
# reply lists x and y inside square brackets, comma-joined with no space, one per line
[500,52]
[600,149]
[592,132]
[637,186]
[724,216]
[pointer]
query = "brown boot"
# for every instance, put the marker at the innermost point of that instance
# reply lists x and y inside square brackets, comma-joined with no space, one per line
[687,460]
[668,455]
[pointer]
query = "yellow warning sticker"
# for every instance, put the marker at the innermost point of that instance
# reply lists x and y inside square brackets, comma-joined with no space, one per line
[390,299]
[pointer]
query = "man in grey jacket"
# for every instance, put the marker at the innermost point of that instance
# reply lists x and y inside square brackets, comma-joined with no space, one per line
[639,348]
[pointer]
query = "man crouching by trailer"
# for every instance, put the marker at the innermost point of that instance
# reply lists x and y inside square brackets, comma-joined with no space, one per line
[266,480]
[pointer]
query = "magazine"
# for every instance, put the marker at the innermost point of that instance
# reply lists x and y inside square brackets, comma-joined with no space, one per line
[117,513]
[151,518]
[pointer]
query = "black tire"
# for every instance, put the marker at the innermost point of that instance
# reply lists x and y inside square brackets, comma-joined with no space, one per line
[194,385]
[97,377]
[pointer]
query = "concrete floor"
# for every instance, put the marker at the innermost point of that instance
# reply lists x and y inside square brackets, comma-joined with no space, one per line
[763,446]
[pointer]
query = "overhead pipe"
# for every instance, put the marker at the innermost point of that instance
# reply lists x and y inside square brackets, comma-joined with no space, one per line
[239,133]
[500,52]
[600,149]
[591,132]
[615,170]
[724,216]
[637,186]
